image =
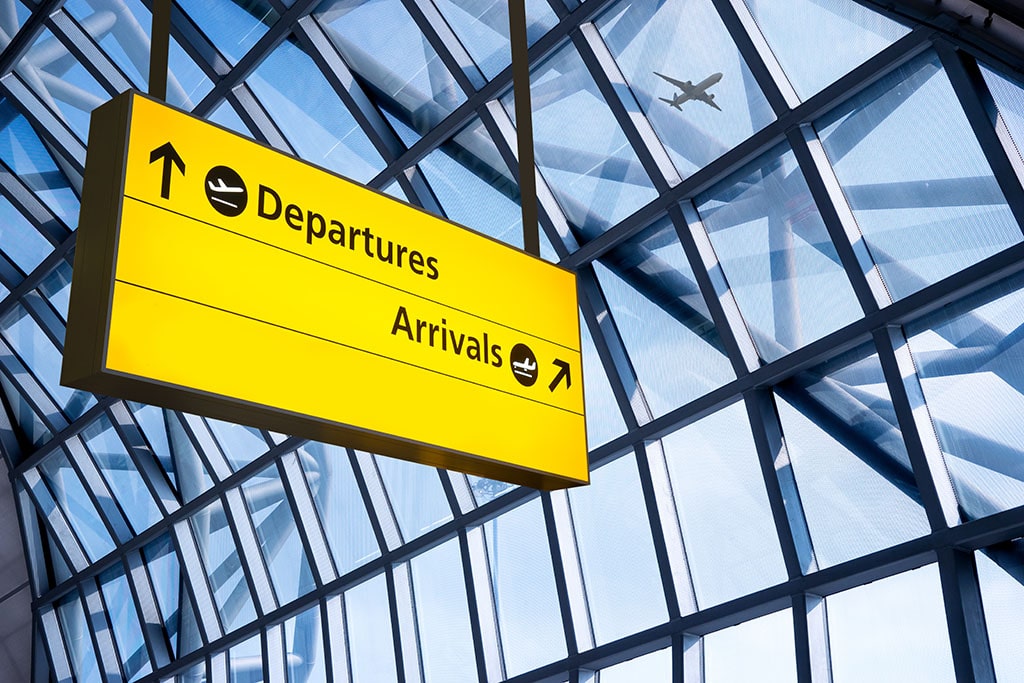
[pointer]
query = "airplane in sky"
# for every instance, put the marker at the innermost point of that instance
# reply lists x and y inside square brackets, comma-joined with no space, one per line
[691,91]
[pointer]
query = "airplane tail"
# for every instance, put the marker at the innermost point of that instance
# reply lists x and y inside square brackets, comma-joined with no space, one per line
[670,102]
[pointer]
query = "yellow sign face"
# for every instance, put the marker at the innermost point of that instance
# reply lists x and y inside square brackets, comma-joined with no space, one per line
[218,276]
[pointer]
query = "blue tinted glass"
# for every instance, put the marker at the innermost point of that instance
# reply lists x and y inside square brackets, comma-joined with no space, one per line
[340,505]
[245,661]
[616,550]
[151,421]
[56,287]
[165,575]
[916,179]
[24,415]
[303,649]
[187,467]
[731,544]
[777,255]
[415,495]
[121,474]
[76,636]
[580,149]
[309,113]
[240,444]
[278,535]
[760,650]
[125,621]
[845,34]
[223,566]
[225,115]
[971,349]
[485,490]
[715,101]
[70,493]
[604,419]
[20,242]
[1000,569]
[370,639]
[1009,98]
[234,27]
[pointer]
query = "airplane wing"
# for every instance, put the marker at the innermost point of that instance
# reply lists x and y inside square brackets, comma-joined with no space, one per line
[707,99]
[684,85]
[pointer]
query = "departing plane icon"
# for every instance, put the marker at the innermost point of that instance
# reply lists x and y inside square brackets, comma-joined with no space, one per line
[691,92]
[221,187]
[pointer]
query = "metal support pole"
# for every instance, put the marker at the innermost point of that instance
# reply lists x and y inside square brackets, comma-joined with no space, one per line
[524,124]
[159,45]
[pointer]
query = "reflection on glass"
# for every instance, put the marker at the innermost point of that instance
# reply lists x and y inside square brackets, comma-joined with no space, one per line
[370,639]
[241,444]
[1009,99]
[604,419]
[56,287]
[523,589]
[233,26]
[70,493]
[415,495]
[620,570]
[77,639]
[723,508]
[485,490]
[1001,575]
[382,44]
[581,151]
[223,566]
[663,320]
[482,27]
[777,255]
[916,179]
[24,414]
[121,474]
[340,505]
[845,34]
[307,110]
[857,488]
[972,349]
[890,631]
[22,243]
[165,577]
[442,615]
[303,648]
[761,650]
[654,667]
[687,41]
[124,619]
[245,661]
[278,535]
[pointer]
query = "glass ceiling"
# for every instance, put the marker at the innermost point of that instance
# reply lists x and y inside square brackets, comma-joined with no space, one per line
[797,227]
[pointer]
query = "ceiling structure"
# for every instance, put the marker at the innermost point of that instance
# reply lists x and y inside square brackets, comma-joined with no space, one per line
[801,311]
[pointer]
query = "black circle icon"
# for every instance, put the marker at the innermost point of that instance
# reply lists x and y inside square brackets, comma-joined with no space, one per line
[524,364]
[226,191]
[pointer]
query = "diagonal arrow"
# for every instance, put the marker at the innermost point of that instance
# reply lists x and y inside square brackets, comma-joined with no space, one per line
[171,157]
[563,372]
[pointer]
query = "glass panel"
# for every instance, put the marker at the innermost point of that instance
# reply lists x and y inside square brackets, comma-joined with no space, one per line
[1001,574]
[916,179]
[304,650]
[523,586]
[972,349]
[616,550]
[777,255]
[154,427]
[653,668]
[165,576]
[663,319]
[1009,99]
[246,661]
[21,243]
[125,621]
[761,650]
[56,287]
[69,492]
[580,149]
[225,115]
[278,535]
[232,26]
[857,488]
[126,42]
[25,416]
[11,19]
[415,495]
[241,445]
[442,615]
[223,566]
[845,35]
[482,27]
[731,543]
[61,82]
[188,470]
[76,636]
[340,505]
[485,490]
[381,43]
[43,358]
[307,110]
[370,638]
[686,41]
[604,419]
[893,630]
[121,474]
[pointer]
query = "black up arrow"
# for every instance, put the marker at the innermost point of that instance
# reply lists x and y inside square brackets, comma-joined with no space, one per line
[563,372]
[170,156]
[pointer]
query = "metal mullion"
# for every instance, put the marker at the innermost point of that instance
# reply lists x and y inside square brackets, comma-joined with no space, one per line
[815,616]
[37,562]
[100,630]
[446,44]
[657,526]
[274,655]
[757,54]
[56,522]
[332,617]
[218,667]
[198,588]
[839,220]
[965,617]
[917,427]
[780,484]
[464,499]
[148,609]
[32,207]
[143,455]
[307,520]
[59,435]
[47,319]
[253,563]
[483,617]
[692,659]
[194,42]
[274,36]
[415,185]
[206,445]
[569,583]
[98,491]
[88,53]
[397,627]
[46,123]
[32,392]
[801,639]
[54,641]
[32,280]
[707,270]
[26,36]
[377,500]
[257,120]
[976,101]
[326,56]
[627,112]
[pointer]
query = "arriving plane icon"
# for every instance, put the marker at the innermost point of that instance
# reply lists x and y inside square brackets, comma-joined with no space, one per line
[691,91]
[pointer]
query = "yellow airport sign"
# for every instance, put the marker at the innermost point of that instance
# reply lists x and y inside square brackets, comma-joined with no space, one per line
[218,276]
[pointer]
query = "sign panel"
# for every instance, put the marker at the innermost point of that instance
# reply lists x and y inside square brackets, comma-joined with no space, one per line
[218,276]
